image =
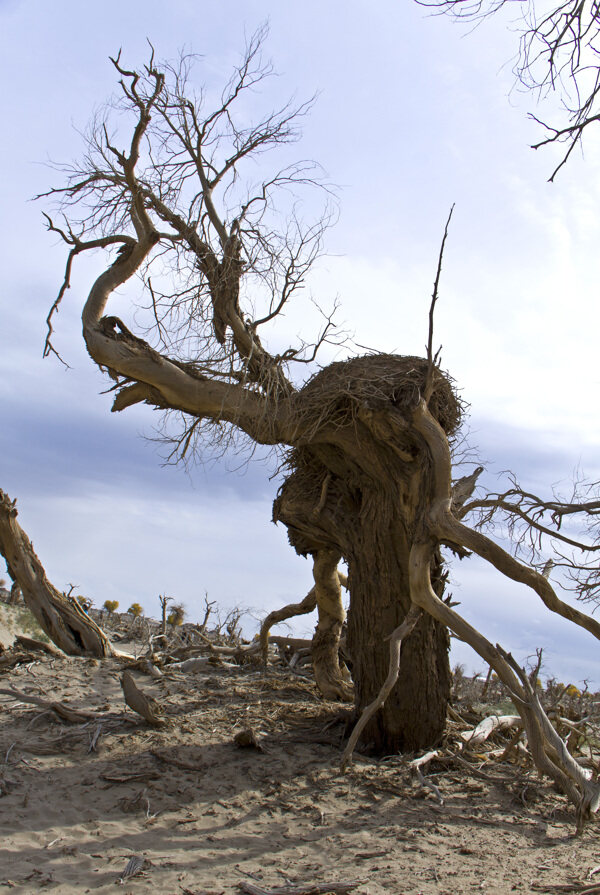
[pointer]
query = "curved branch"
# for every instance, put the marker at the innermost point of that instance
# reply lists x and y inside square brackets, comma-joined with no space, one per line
[307,605]
[549,752]
[448,529]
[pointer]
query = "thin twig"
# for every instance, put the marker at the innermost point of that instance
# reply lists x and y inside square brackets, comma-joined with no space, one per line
[431,360]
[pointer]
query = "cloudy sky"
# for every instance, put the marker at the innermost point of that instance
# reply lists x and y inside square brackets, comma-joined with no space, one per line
[413,115]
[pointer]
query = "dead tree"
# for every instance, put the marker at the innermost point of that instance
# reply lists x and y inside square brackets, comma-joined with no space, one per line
[559,47]
[61,617]
[368,440]
[164,602]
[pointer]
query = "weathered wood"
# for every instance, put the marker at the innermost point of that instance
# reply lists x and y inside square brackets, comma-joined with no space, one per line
[303,889]
[64,712]
[143,705]
[39,645]
[60,617]
[487,727]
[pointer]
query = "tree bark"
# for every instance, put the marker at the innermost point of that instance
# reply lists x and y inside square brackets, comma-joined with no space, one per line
[15,591]
[371,516]
[414,714]
[62,619]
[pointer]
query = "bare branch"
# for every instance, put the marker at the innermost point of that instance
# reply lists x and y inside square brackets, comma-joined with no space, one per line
[450,531]
[535,526]
[175,201]
[559,47]
[431,360]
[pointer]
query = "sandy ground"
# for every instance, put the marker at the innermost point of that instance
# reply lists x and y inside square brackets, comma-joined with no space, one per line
[207,815]
[8,629]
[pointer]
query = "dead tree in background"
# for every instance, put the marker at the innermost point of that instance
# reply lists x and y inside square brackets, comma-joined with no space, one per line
[61,617]
[559,49]
[368,439]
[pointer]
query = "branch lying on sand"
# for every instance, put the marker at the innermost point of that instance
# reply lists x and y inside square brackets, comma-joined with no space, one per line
[146,706]
[64,712]
[485,728]
[305,889]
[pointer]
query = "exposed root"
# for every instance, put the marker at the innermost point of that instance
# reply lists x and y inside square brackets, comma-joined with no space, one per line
[326,641]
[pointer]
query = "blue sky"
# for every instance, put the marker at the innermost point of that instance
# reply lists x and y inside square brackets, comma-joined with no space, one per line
[413,114]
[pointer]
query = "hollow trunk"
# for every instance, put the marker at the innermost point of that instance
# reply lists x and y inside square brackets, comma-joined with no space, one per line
[414,714]
[62,619]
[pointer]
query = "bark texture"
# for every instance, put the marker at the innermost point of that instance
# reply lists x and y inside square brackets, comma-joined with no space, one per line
[61,618]
[414,714]
[329,675]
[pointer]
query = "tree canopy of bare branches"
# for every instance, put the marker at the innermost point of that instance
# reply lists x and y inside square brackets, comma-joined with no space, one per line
[219,255]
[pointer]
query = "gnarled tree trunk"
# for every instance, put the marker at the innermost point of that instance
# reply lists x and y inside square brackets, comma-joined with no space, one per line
[62,619]
[359,489]
[414,714]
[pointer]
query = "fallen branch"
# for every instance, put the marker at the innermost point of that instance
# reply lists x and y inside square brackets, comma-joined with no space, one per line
[198,664]
[64,712]
[303,889]
[9,659]
[429,785]
[417,763]
[143,705]
[487,727]
[134,777]
[143,664]
[39,645]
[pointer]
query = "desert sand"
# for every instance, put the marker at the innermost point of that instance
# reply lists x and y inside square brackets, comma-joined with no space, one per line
[205,815]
